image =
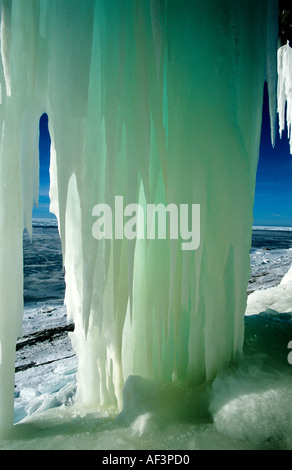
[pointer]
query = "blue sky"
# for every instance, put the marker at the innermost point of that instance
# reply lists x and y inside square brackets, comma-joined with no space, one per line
[44,152]
[273,197]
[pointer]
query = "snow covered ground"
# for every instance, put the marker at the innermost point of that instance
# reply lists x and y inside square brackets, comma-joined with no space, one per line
[270,256]
[45,362]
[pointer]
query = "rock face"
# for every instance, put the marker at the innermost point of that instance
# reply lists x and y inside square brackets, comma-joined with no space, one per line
[285,22]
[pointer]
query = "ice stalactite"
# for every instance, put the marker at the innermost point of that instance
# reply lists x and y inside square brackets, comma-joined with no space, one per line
[285,90]
[157,102]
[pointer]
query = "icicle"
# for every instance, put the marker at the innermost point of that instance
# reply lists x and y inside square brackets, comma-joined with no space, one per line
[6,42]
[271,66]
[285,89]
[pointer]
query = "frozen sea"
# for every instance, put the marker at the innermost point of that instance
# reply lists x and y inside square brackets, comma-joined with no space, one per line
[270,256]
[46,365]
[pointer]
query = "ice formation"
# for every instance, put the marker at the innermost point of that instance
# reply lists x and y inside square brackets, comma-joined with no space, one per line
[159,102]
[285,89]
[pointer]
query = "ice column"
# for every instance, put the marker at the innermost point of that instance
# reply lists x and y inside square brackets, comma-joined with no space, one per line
[19,118]
[157,102]
[174,113]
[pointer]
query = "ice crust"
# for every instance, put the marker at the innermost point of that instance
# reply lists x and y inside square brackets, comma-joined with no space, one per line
[158,102]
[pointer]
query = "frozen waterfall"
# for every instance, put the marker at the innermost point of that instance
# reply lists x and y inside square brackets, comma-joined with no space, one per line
[159,102]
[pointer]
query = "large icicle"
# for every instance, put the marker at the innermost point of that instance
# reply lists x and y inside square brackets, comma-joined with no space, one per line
[157,102]
[19,117]
[285,90]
